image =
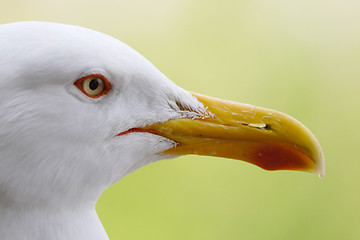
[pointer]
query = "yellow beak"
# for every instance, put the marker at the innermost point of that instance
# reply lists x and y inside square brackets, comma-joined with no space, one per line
[266,138]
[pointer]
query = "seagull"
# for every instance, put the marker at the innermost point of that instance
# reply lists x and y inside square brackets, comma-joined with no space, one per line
[80,110]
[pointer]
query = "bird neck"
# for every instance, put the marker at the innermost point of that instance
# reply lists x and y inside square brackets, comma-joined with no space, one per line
[55,223]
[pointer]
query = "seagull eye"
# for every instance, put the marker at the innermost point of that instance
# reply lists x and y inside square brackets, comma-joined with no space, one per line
[94,85]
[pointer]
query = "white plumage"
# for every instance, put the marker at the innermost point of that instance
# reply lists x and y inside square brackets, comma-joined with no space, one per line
[58,152]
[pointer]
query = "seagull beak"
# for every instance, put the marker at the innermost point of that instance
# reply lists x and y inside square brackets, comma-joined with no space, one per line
[264,137]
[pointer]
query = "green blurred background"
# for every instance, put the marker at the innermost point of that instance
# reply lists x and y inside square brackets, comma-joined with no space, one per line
[301,57]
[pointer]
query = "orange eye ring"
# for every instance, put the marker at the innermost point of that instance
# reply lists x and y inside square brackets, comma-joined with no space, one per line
[94,85]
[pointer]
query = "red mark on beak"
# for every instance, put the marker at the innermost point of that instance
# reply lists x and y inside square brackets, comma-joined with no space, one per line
[281,157]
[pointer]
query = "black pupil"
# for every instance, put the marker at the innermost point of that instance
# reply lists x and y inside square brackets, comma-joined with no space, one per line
[94,84]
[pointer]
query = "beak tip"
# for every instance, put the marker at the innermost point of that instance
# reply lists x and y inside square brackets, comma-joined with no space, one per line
[320,169]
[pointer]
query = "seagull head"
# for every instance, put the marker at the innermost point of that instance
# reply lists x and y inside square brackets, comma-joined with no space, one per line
[80,110]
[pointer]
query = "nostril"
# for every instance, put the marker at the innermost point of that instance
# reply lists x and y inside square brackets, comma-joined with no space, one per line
[257,125]
[262,126]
